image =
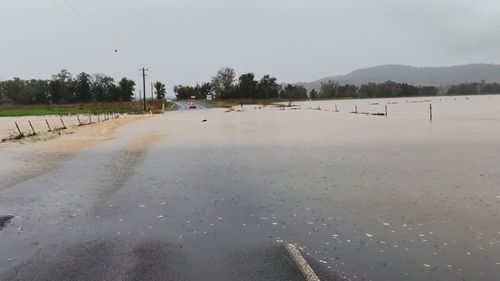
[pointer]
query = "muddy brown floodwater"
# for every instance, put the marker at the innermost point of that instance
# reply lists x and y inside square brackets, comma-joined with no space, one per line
[364,197]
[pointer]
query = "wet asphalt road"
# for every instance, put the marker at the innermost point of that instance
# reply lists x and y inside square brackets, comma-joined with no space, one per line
[182,105]
[128,209]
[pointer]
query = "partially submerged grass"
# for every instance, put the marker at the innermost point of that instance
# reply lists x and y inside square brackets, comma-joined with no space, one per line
[88,108]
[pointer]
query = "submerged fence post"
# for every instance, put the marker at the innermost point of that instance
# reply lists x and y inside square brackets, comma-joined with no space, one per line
[48,125]
[34,133]
[386,110]
[19,130]
[64,126]
[356,109]
[90,118]
[430,111]
[336,109]
[79,122]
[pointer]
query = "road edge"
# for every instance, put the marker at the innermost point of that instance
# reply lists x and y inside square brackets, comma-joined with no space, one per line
[301,263]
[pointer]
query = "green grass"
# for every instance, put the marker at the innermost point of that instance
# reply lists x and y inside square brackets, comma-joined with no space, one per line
[73,109]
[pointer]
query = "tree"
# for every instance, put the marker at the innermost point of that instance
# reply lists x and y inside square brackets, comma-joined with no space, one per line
[13,91]
[313,94]
[268,88]
[183,92]
[127,88]
[201,91]
[294,92]
[102,87]
[247,86]
[329,90]
[160,90]
[61,87]
[82,90]
[38,90]
[223,83]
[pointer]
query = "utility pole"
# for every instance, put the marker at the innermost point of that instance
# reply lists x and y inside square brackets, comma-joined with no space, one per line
[144,84]
[152,91]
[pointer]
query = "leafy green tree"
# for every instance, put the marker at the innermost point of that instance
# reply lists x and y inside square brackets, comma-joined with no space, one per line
[160,90]
[127,88]
[294,92]
[201,91]
[83,91]
[490,88]
[329,90]
[247,86]
[38,91]
[313,94]
[14,91]
[102,87]
[268,88]
[465,89]
[223,83]
[62,87]
[184,92]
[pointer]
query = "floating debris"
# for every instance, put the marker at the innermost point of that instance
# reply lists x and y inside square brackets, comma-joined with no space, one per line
[369,235]
[4,220]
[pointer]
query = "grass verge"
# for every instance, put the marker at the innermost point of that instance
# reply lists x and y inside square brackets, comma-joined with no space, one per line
[89,108]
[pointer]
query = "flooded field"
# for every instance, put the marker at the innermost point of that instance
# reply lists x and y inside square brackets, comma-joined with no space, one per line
[365,197]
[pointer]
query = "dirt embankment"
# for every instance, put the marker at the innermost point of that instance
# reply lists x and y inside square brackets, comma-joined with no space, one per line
[30,157]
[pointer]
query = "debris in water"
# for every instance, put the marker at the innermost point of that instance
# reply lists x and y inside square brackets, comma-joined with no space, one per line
[427,265]
[4,220]
[369,235]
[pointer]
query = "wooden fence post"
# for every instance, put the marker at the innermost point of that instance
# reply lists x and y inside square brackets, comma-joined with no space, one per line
[64,126]
[34,133]
[19,130]
[79,122]
[430,111]
[386,110]
[48,125]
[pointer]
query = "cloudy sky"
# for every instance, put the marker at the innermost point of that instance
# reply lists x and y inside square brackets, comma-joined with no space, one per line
[187,41]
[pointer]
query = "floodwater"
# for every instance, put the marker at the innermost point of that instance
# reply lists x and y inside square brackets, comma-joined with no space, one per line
[365,197]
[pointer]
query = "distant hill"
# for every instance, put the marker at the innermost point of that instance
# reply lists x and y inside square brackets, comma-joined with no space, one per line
[435,76]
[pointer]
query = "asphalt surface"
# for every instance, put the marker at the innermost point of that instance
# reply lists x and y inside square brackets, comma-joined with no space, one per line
[138,207]
[182,105]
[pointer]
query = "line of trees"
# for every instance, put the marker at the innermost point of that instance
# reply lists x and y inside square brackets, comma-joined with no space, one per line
[84,88]
[64,88]
[475,88]
[225,85]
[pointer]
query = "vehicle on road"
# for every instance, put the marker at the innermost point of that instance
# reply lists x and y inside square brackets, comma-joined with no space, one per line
[192,105]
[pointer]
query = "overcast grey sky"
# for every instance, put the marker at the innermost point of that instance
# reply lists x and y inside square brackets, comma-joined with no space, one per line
[187,41]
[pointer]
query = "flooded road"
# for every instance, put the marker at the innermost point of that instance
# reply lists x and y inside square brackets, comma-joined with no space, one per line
[364,197]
